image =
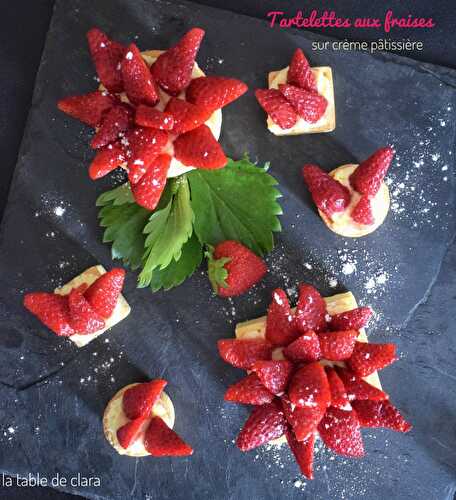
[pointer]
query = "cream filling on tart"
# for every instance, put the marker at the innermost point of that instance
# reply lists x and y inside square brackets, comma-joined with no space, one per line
[341,222]
[323,77]
[114,418]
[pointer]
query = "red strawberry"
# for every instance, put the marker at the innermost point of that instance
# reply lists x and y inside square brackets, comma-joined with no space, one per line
[130,431]
[300,73]
[139,400]
[106,160]
[329,195]
[186,115]
[351,320]
[362,213]
[52,310]
[106,55]
[340,431]
[304,348]
[265,423]
[277,107]
[244,353]
[367,358]
[137,78]
[304,420]
[104,292]
[380,414]
[339,396]
[249,391]
[83,318]
[359,389]
[309,387]
[148,190]
[161,441]
[142,146]
[214,92]
[310,310]
[280,329]
[303,452]
[369,175]
[199,148]
[173,69]
[233,269]
[153,118]
[309,105]
[337,346]
[88,108]
[116,121]
[274,375]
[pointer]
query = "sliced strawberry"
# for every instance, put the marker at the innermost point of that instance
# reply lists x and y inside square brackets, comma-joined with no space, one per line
[214,92]
[52,310]
[116,121]
[310,387]
[186,115]
[274,375]
[244,353]
[129,432]
[161,441]
[137,78]
[199,148]
[173,69]
[104,292]
[351,320]
[367,357]
[369,175]
[310,310]
[340,431]
[147,192]
[265,423]
[300,73]
[83,318]
[249,391]
[303,421]
[309,105]
[362,213]
[106,160]
[233,268]
[142,146]
[380,414]
[106,55]
[88,108]
[339,396]
[305,348]
[329,195]
[280,329]
[303,452]
[359,389]
[153,118]
[337,346]
[139,400]
[277,107]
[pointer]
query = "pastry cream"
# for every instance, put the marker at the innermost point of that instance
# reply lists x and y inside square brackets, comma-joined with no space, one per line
[114,418]
[341,222]
[327,123]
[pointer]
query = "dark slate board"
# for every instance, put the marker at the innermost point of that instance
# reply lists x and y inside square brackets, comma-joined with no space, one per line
[54,394]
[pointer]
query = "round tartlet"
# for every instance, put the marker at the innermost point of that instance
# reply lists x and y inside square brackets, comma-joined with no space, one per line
[114,418]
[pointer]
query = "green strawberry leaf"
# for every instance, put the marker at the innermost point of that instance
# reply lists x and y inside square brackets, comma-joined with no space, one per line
[169,227]
[117,196]
[238,202]
[179,270]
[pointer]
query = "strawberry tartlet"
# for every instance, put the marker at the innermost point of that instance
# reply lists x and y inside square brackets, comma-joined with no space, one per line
[353,200]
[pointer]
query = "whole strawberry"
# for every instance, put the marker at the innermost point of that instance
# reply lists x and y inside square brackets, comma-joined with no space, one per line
[369,175]
[233,268]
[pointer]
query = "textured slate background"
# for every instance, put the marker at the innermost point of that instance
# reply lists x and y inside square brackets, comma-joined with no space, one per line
[379,100]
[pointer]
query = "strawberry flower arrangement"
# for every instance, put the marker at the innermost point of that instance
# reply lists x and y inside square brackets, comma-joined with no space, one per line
[305,379]
[158,116]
